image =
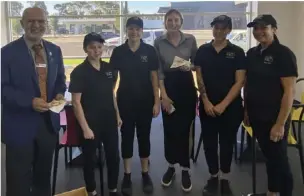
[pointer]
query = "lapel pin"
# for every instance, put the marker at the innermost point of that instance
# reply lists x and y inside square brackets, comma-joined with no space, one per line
[50,53]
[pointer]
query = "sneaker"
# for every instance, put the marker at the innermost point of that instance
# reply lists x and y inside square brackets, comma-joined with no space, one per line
[114,194]
[168,177]
[147,183]
[186,181]
[126,187]
[211,187]
[225,188]
[93,194]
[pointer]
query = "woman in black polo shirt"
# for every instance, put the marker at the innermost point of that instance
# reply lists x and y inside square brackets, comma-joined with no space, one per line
[92,87]
[269,94]
[220,75]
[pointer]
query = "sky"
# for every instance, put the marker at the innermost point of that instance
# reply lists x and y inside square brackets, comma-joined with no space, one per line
[146,7]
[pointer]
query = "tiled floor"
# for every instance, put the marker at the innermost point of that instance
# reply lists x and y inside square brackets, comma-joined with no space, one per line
[69,179]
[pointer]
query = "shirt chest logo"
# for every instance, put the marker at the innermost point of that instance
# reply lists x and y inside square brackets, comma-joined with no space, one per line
[230,55]
[268,60]
[109,74]
[144,58]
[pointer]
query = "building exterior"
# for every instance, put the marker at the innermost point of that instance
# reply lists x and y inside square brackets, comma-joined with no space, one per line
[198,15]
[84,25]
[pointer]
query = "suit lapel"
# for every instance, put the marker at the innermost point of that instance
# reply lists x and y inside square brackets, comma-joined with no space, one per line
[29,61]
[50,67]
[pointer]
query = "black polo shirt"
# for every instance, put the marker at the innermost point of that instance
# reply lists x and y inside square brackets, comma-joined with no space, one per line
[96,87]
[264,72]
[135,72]
[218,69]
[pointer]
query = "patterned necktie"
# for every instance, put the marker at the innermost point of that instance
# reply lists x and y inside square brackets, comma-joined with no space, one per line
[41,70]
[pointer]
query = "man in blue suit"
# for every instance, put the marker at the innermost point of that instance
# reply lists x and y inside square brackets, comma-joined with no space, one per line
[32,80]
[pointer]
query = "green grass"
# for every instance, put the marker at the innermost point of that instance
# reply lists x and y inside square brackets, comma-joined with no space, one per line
[78,61]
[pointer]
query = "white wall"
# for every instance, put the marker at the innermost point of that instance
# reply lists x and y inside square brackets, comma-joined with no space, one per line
[289,16]
[4,25]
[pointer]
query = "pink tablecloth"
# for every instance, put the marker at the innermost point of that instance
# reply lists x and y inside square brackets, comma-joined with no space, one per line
[63,120]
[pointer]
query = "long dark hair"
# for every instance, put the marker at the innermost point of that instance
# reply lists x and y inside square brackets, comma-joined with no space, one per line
[276,39]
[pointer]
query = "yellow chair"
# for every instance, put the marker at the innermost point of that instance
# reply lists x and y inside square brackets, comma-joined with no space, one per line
[77,192]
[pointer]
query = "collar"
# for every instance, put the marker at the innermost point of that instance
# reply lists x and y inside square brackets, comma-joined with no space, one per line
[126,46]
[30,43]
[183,37]
[229,44]
[273,44]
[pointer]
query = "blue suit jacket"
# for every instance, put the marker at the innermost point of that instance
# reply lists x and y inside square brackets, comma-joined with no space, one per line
[19,85]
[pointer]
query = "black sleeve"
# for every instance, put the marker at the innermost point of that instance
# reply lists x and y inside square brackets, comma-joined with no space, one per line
[199,57]
[154,61]
[287,64]
[240,60]
[77,81]
[114,60]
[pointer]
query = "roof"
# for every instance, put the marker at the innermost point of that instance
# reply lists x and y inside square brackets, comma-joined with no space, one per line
[153,24]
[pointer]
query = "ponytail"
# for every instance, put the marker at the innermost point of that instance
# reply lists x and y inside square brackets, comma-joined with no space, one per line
[275,37]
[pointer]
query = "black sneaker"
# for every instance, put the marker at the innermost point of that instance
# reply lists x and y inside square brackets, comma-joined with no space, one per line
[211,187]
[168,177]
[114,194]
[147,183]
[126,187]
[225,188]
[186,181]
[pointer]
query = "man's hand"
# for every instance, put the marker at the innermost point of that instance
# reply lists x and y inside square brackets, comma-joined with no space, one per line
[59,97]
[156,109]
[58,100]
[277,132]
[40,105]
[220,108]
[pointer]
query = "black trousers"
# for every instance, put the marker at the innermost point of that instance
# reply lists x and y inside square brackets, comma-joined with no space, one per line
[105,132]
[220,130]
[139,119]
[28,168]
[278,170]
[178,137]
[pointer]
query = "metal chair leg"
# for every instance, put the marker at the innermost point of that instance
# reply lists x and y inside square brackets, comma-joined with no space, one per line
[198,147]
[55,167]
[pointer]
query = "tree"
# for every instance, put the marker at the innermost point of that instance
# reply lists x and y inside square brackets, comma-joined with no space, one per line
[39,4]
[75,8]
[16,8]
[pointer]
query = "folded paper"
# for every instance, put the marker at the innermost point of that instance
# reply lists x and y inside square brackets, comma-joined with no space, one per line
[58,108]
[179,62]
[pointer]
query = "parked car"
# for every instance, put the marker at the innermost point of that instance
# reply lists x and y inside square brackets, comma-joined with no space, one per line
[148,37]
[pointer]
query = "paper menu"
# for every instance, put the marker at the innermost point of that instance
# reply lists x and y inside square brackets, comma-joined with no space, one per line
[179,62]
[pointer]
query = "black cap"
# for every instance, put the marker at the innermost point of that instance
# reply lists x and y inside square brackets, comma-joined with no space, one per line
[92,37]
[135,20]
[222,19]
[265,19]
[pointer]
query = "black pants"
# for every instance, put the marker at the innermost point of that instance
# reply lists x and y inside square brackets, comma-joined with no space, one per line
[105,131]
[278,170]
[141,120]
[178,137]
[28,168]
[222,130]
